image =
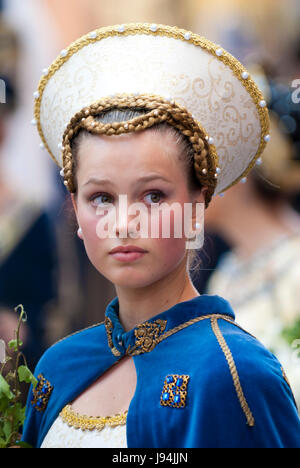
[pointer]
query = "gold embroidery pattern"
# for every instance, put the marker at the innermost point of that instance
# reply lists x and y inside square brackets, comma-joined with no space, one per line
[84,422]
[147,335]
[109,326]
[233,371]
[41,393]
[174,391]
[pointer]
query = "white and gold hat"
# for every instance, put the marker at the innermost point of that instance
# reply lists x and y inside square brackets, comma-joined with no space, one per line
[179,76]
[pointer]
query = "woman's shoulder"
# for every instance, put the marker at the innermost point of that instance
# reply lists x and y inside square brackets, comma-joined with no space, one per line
[239,348]
[82,342]
[243,377]
[255,370]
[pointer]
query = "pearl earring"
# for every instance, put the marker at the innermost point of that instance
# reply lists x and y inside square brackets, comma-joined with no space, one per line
[79,232]
[197,225]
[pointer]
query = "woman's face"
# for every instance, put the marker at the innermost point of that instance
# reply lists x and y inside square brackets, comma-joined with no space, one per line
[124,162]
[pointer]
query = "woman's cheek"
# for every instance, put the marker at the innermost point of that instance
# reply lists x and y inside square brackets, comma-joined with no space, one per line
[171,242]
[91,238]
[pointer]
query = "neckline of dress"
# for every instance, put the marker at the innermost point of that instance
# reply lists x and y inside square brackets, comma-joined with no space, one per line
[85,422]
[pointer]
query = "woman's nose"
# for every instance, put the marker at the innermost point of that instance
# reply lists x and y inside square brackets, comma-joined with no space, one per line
[131,220]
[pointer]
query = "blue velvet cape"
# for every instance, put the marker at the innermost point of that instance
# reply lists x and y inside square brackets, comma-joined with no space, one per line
[202,381]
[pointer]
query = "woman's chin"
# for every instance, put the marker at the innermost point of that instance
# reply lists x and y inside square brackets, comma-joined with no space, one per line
[132,282]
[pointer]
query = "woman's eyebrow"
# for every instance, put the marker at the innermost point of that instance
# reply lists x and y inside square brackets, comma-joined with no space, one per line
[146,178]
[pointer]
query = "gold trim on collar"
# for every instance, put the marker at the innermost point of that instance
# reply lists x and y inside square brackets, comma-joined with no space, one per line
[150,334]
[147,336]
[109,327]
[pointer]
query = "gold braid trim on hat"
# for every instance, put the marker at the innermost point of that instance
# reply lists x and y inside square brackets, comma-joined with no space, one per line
[160,110]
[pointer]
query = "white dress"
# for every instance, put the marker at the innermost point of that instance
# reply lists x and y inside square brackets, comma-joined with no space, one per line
[73,430]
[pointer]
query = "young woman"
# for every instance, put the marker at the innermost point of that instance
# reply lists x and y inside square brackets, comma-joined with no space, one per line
[156,117]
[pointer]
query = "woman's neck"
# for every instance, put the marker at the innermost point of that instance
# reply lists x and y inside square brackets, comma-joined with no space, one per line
[139,305]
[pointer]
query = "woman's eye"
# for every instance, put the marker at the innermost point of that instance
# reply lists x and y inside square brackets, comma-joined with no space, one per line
[102,196]
[155,196]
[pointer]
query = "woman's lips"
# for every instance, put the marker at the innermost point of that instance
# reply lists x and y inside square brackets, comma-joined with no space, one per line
[127,256]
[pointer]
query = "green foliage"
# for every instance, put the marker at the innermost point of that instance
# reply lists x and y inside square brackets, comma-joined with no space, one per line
[292,333]
[12,412]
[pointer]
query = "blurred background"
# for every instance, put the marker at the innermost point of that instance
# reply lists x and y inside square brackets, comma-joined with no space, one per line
[251,254]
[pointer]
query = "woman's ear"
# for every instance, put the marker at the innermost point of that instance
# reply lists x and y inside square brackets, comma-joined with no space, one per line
[74,203]
[203,194]
[198,214]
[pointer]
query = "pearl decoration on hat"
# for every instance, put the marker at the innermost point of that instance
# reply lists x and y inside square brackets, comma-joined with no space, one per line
[187,36]
[45,71]
[121,28]
[61,172]
[153,27]
[243,180]
[36,94]
[93,34]
[210,140]
[219,52]
[258,161]
[267,137]
[245,75]
[262,103]
[64,53]
[33,122]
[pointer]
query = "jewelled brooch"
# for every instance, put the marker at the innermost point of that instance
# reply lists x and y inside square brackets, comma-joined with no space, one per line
[41,393]
[174,391]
